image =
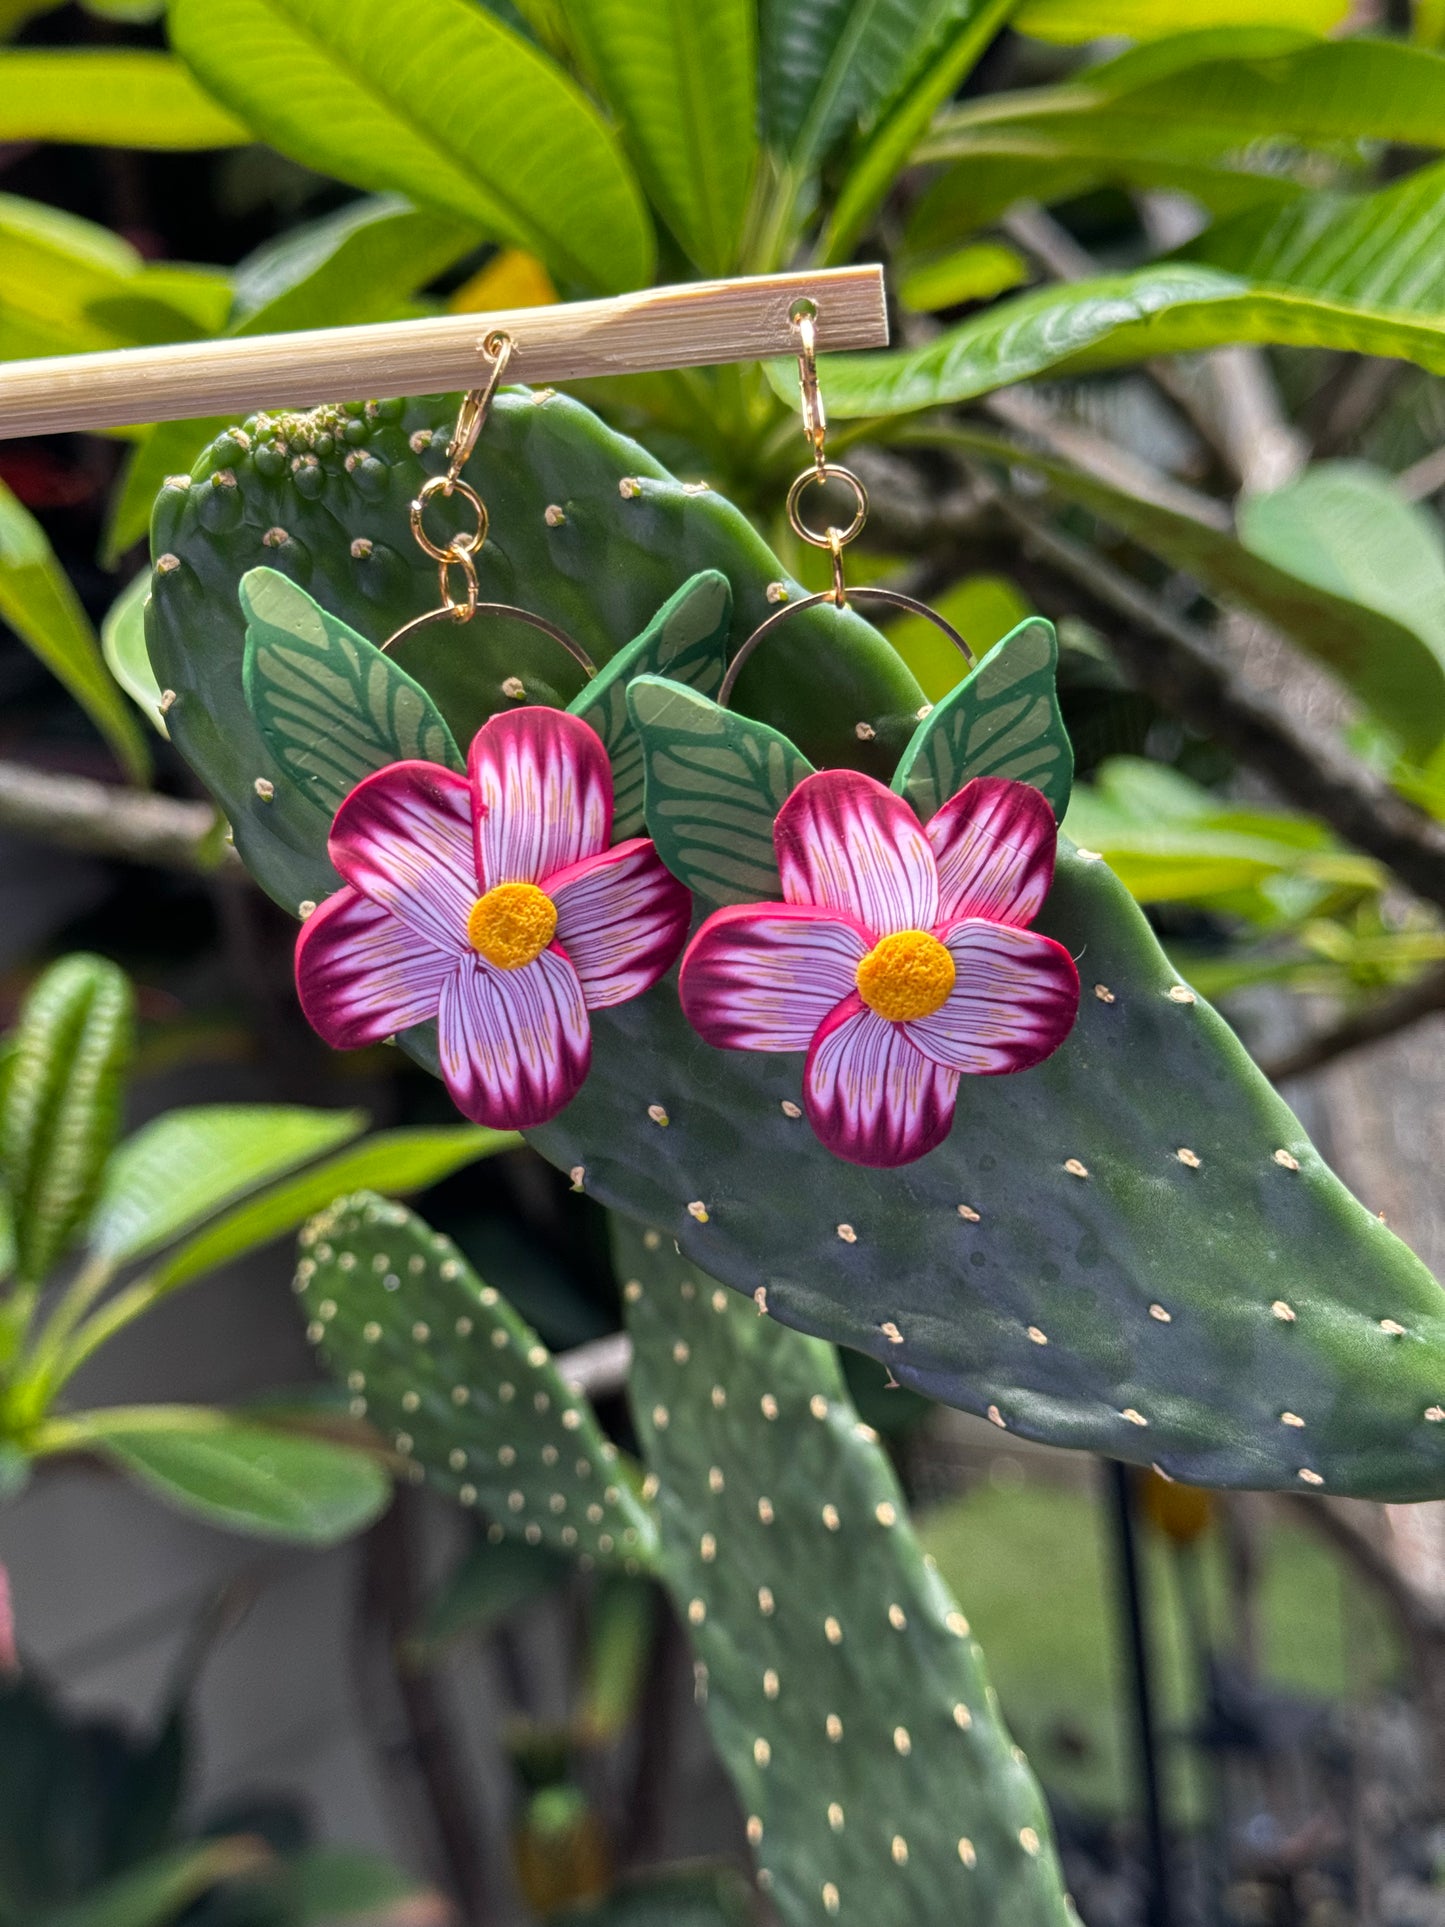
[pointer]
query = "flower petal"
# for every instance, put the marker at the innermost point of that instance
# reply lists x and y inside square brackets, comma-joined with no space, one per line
[1013,1002]
[871,1094]
[543,786]
[845,842]
[514,1044]
[404,838]
[621,918]
[763,976]
[994,845]
[362,974]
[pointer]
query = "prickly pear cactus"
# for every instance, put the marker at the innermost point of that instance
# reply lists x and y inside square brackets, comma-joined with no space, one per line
[461,1387]
[842,1685]
[1131,1249]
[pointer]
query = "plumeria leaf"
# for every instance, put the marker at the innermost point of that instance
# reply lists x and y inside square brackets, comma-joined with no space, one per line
[1002,720]
[181,1168]
[238,1474]
[686,641]
[330,705]
[715,783]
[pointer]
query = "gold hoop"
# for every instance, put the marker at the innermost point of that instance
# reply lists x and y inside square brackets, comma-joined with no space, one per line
[828,538]
[464,612]
[894,598]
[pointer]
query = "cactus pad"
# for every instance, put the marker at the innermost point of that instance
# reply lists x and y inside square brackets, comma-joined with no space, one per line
[1132,1249]
[842,1684]
[463,1390]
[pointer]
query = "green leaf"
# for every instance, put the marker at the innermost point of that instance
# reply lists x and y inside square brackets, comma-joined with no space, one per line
[1200,112]
[157,1893]
[324,1885]
[1379,251]
[38,603]
[246,1477]
[1170,840]
[1345,528]
[60,1103]
[1072,21]
[362,263]
[956,34]
[715,783]
[1172,308]
[400,1162]
[123,645]
[686,641]
[458,112]
[974,273]
[1002,720]
[1394,666]
[187,1164]
[330,705]
[115,98]
[683,79]
[488,1583]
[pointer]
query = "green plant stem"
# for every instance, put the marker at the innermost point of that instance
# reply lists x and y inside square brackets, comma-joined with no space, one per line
[59,1358]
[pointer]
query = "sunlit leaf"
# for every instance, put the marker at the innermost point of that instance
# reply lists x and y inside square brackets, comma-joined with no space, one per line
[38,603]
[1076,20]
[683,80]
[115,97]
[123,645]
[456,111]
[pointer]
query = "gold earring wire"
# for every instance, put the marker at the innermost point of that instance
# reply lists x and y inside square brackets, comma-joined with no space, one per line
[459,550]
[833,539]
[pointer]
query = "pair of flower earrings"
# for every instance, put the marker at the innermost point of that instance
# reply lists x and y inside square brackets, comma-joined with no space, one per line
[899,958]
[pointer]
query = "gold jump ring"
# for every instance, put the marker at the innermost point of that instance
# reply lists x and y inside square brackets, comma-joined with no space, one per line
[829,472]
[458,545]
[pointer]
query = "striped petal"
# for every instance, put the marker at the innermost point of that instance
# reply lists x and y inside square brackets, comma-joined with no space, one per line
[362,974]
[403,838]
[543,789]
[994,846]
[845,842]
[764,976]
[870,1093]
[514,1044]
[1013,1002]
[621,918]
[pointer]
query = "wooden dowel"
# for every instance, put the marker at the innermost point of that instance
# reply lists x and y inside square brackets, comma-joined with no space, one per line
[699,322]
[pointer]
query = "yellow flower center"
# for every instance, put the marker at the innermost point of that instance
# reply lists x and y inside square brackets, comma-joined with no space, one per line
[512,924]
[906,975]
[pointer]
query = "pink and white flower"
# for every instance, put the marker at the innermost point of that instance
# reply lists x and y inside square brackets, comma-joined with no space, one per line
[899,959]
[492,903]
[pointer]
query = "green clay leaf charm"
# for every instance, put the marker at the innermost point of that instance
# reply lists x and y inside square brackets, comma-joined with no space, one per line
[715,783]
[330,705]
[1002,720]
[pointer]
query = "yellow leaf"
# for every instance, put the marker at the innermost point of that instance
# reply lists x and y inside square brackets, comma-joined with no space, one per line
[511,279]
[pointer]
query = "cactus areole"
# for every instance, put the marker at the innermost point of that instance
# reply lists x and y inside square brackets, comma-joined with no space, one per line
[1127,1244]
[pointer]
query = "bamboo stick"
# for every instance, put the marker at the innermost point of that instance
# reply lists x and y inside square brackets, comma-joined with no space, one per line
[688,326]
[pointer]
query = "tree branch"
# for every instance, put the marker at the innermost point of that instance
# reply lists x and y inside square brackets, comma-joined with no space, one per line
[105,820]
[1367,1025]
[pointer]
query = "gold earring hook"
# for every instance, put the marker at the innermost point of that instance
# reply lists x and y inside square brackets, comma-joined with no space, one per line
[833,539]
[459,551]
